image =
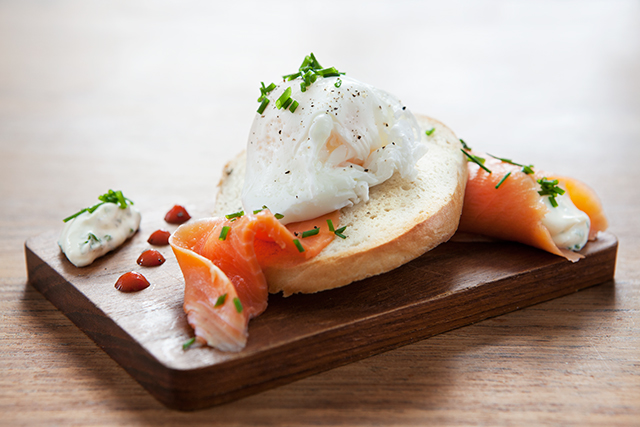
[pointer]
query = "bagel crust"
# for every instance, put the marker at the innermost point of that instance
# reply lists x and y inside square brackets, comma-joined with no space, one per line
[401,221]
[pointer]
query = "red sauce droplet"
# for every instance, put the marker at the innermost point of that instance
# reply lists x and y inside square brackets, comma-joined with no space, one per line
[132,282]
[150,258]
[177,215]
[159,238]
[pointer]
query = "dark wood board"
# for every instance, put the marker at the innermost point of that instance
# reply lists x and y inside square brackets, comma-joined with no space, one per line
[456,284]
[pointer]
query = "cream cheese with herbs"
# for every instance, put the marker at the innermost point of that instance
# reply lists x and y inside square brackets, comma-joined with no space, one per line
[568,226]
[91,235]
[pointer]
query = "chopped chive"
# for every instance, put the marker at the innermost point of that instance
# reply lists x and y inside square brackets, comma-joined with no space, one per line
[224,232]
[328,72]
[188,344]
[264,91]
[263,105]
[293,107]
[298,245]
[502,180]
[527,169]
[91,238]
[342,236]
[341,229]
[287,103]
[430,131]
[121,200]
[330,224]
[550,188]
[69,218]
[289,77]
[311,232]
[475,159]
[235,215]
[238,304]
[283,98]
[110,196]
[221,299]
[464,145]
[502,159]
[260,210]
[279,216]
[310,70]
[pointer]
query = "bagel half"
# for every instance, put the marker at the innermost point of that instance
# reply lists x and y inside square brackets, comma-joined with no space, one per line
[401,221]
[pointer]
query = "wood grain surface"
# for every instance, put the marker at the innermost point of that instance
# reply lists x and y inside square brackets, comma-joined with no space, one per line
[154,97]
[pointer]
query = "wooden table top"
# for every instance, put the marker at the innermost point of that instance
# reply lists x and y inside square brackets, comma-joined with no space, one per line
[153,99]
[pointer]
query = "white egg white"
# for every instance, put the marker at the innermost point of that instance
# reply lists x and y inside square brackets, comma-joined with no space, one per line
[339,142]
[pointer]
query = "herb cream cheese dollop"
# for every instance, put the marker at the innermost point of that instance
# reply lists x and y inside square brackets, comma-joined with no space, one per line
[568,225]
[344,137]
[91,235]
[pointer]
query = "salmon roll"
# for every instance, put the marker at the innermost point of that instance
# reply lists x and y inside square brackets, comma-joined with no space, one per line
[222,261]
[510,201]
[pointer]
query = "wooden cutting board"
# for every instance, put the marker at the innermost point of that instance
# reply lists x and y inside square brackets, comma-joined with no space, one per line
[456,284]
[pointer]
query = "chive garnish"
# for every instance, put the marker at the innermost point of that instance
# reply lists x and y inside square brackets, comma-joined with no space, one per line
[283,98]
[476,159]
[238,304]
[465,146]
[263,100]
[188,344]
[235,215]
[279,216]
[224,232]
[550,188]
[298,245]
[262,106]
[264,91]
[260,210]
[311,232]
[430,131]
[330,224]
[339,232]
[309,71]
[111,196]
[329,72]
[91,238]
[528,169]
[221,299]
[502,180]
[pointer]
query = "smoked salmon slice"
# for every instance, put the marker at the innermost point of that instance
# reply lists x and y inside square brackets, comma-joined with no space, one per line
[514,211]
[222,261]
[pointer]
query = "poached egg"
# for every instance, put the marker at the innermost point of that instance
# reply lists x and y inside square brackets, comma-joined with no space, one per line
[344,137]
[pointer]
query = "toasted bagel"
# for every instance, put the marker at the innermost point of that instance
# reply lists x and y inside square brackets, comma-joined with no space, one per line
[401,220]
